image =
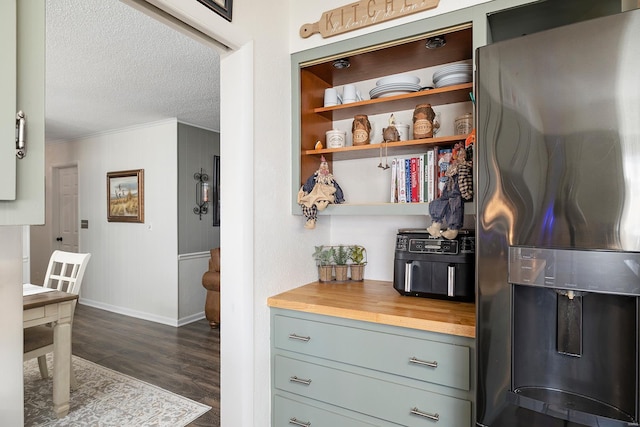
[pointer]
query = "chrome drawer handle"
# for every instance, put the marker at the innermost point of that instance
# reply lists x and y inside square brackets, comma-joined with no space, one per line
[21,149]
[434,417]
[298,337]
[299,423]
[433,364]
[299,380]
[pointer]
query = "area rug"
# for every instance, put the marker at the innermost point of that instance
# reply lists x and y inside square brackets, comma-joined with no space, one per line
[105,398]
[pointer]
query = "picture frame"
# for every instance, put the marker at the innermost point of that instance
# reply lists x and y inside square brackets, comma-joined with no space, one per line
[125,196]
[216,191]
[221,7]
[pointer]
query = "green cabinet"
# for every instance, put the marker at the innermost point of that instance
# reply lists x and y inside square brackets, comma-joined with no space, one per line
[374,374]
[22,77]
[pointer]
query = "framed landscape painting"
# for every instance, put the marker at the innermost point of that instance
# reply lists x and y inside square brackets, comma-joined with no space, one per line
[221,7]
[125,196]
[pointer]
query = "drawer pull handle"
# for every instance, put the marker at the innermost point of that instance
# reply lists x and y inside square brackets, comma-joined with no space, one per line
[433,364]
[299,423]
[434,417]
[295,379]
[298,337]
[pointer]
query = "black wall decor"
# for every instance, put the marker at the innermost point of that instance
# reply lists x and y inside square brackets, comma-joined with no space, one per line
[216,191]
[221,7]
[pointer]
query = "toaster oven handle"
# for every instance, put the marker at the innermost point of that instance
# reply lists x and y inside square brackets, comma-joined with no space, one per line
[451,280]
[408,271]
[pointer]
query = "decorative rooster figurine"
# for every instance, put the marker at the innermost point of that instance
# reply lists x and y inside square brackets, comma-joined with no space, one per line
[390,133]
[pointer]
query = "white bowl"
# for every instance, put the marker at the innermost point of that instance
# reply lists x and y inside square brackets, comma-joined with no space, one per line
[398,78]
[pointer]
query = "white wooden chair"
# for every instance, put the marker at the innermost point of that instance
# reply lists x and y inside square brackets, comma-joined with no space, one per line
[64,273]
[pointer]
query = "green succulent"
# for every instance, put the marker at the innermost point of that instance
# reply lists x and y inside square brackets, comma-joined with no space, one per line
[357,254]
[323,255]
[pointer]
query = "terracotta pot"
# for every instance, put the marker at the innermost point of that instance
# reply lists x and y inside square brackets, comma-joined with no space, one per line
[325,273]
[357,272]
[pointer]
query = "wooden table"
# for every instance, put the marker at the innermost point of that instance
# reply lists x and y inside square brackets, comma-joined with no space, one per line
[54,307]
[378,302]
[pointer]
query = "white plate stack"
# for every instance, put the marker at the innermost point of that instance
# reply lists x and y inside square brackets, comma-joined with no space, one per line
[453,74]
[395,85]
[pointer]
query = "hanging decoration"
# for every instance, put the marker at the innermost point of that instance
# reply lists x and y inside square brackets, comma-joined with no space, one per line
[362,14]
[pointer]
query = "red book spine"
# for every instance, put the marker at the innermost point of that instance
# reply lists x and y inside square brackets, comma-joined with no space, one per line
[414,180]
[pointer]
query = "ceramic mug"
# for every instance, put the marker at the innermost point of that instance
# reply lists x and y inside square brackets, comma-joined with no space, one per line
[403,130]
[331,97]
[350,94]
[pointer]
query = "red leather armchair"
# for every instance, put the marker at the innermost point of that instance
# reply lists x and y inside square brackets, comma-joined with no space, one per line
[211,282]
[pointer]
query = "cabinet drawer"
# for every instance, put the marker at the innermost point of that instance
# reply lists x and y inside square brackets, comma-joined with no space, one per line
[397,403]
[431,361]
[290,413]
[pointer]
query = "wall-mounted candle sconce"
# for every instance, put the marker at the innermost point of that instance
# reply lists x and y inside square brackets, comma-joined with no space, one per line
[202,193]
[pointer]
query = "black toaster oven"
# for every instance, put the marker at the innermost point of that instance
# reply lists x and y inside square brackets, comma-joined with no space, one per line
[435,267]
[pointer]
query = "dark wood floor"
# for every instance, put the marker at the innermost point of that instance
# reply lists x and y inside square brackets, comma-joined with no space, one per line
[183,360]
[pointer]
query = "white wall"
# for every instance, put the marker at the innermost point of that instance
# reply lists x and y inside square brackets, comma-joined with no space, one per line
[134,267]
[265,249]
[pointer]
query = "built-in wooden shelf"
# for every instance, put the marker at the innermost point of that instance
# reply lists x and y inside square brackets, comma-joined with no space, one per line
[408,101]
[391,148]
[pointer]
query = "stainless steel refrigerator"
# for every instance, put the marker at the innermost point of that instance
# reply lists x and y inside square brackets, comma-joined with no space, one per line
[558,226]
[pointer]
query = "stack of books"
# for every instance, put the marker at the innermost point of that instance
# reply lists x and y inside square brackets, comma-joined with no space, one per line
[419,178]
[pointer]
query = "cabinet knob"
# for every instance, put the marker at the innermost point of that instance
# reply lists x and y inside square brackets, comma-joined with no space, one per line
[58,239]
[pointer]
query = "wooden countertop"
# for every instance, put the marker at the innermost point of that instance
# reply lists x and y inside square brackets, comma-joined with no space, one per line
[378,302]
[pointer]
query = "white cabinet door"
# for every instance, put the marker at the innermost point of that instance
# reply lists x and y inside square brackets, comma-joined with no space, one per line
[7,99]
[23,82]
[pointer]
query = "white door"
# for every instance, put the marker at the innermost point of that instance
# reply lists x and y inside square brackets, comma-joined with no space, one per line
[65,208]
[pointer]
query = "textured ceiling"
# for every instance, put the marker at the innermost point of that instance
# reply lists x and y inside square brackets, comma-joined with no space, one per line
[110,66]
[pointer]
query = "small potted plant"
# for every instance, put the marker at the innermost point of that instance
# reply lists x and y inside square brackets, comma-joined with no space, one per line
[341,257]
[323,256]
[358,257]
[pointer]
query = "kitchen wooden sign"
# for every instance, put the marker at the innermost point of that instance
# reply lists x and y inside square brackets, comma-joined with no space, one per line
[362,14]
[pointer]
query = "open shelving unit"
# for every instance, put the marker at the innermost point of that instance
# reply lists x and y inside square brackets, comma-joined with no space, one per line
[376,61]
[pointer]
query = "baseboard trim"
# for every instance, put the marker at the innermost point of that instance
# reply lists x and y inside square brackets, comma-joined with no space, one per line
[190,319]
[127,312]
[142,315]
